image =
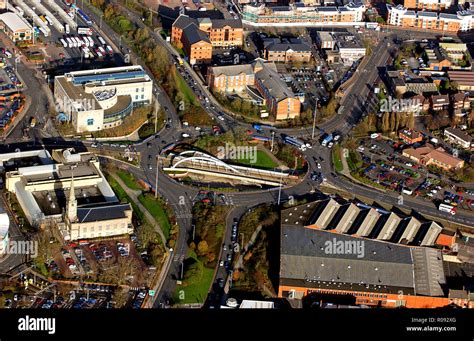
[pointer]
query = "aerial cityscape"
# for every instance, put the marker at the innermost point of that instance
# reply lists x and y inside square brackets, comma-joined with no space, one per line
[232,154]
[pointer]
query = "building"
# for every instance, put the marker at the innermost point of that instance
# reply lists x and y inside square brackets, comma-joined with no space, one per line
[439,102]
[310,263]
[15,27]
[438,60]
[199,36]
[428,155]
[287,51]
[463,80]
[257,14]
[431,5]
[4,235]
[102,98]
[410,136]
[460,101]
[69,190]
[325,40]
[280,100]
[457,136]
[196,45]
[231,79]
[350,48]
[403,17]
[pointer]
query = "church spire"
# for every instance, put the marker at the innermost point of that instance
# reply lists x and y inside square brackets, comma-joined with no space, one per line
[72,203]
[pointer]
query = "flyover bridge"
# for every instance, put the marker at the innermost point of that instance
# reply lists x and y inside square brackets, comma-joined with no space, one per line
[199,163]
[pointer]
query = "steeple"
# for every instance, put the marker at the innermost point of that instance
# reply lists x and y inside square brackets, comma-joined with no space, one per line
[72,203]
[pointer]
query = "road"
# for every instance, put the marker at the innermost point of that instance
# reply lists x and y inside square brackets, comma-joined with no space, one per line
[179,196]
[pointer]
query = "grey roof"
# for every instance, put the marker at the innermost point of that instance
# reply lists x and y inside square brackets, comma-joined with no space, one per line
[427,14]
[101,213]
[220,23]
[184,21]
[269,78]
[192,34]
[232,70]
[298,47]
[459,134]
[382,266]
[428,271]
[447,16]
[304,256]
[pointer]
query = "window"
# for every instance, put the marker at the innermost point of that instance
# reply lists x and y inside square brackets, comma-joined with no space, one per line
[137,89]
[90,121]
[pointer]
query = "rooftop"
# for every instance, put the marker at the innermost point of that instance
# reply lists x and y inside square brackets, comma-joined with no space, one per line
[307,260]
[14,22]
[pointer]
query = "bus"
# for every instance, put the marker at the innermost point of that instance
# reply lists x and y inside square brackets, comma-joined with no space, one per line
[37,31]
[91,41]
[101,40]
[84,17]
[67,29]
[84,30]
[79,41]
[50,22]
[43,19]
[69,42]
[447,208]
[102,50]
[44,31]
[110,51]
[63,42]
[294,142]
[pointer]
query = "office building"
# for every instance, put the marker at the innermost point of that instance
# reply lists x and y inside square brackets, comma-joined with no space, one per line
[99,99]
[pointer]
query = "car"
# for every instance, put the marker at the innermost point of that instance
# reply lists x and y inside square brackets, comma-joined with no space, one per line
[220,282]
[94,145]
[224,248]
[330,144]
[185,135]
[198,128]
[150,167]
[318,165]
[220,117]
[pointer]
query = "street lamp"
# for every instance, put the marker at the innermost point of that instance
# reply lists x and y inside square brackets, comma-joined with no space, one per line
[314,118]
[156,178]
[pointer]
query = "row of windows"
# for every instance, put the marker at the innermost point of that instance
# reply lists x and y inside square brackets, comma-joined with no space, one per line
[107,227]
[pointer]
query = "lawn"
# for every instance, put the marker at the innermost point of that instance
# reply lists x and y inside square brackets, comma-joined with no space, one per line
[186,91]
[336,158]
[128,179]
[263,160]
[123,197]
[156,209]
[197,289]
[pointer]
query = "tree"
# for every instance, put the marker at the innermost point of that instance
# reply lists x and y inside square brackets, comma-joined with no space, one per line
[202,248]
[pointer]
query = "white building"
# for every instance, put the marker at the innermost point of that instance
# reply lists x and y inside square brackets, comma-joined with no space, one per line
[101,99]
[72,192]
[15,27]
[4,236]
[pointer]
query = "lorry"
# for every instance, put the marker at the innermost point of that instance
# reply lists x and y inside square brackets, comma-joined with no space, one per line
[326,140]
